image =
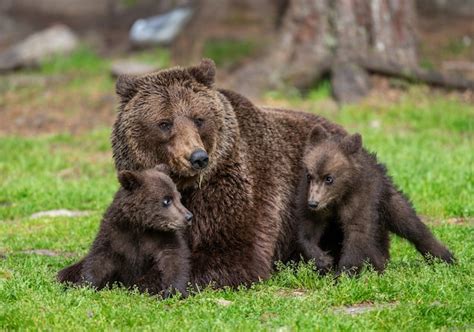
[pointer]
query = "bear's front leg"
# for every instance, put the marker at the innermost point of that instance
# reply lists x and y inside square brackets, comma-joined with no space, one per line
[309,235]
[175,269]
[151,281]
[359,245]
[71,274]
[98,270]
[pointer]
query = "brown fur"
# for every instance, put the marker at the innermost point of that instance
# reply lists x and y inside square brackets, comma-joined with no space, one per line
[347,194]
[243,201]
[140,239]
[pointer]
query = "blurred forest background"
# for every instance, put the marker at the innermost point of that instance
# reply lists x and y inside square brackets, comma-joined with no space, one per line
[349,48]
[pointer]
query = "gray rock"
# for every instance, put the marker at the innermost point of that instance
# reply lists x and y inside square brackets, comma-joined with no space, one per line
[59,213]
[223,302]
[361,308]
[126,67]
[58,39]
[160,29]
[46,252]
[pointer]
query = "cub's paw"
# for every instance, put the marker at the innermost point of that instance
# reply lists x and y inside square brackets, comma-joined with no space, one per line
[70,274]
[442,254]
[184,293]
[171,291]
[324,263]
[349,267]
[88,280]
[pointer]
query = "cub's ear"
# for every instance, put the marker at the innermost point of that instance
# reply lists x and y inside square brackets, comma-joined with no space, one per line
[351,144]
[204,73]
[163,168]
[129,180]
[126,87]
[317,135]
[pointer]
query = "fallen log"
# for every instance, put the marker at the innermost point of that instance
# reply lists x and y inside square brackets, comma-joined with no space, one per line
[416,74]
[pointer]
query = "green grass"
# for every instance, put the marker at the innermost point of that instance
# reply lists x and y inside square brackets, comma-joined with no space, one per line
[228,52]
[160,57]
[82,61]
[426,141]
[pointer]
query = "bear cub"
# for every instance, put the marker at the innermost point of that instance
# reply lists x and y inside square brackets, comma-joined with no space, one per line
[348,206]
[140,241]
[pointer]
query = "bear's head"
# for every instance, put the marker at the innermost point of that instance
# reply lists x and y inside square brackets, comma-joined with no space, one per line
[150,200]
[175,117]
[331,167]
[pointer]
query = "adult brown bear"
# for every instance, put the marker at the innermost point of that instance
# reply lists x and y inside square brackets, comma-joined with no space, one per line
[237,167]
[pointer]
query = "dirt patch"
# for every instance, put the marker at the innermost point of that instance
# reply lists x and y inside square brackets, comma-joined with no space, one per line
[38,104]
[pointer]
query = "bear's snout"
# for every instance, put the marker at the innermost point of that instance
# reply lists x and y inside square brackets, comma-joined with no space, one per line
[188,216]
[313,205]
[199,159]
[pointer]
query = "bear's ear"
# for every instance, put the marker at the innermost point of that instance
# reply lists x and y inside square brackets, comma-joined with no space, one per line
[126,87]
[351,144]
[129,180]
[204,73]
[163,168]
[317,135]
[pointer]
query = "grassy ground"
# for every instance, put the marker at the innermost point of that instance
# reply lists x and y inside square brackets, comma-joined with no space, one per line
[426,140]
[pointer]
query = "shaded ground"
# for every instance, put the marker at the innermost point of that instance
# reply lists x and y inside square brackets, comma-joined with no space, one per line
[37,104]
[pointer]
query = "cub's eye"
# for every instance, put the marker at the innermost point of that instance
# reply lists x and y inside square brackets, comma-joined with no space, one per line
[198,122]
[165,125]
[167,201]
[328,179]
[309,177]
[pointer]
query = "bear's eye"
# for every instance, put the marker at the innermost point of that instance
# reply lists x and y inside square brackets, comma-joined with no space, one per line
[167,201]
[328,179]
[165,125]
[309,177]
[198,122]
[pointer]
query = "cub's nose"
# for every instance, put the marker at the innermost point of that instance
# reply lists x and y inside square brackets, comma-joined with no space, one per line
[199,159]
[313,204]
[188,216]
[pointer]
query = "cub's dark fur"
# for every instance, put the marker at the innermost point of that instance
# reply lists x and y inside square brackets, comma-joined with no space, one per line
[140,240]
[350,204]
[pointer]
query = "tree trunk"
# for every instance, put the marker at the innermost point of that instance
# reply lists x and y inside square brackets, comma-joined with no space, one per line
[334,36]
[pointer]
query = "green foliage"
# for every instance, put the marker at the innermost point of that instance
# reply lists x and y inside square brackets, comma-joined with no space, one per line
[427,64]
[226,52]
[321,91]
[160,57]
[81,61]
[427,144]
[455,47]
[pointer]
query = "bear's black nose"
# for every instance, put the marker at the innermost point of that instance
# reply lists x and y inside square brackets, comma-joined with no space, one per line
[199,159]
[188,216]
[313,204]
